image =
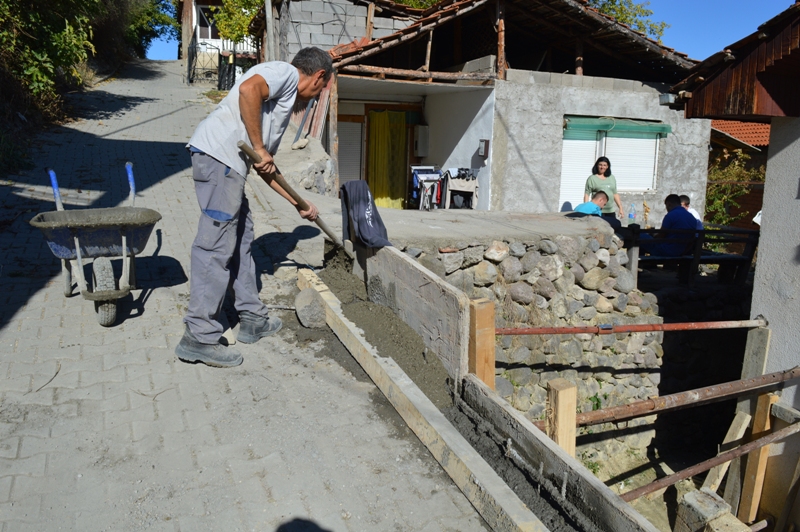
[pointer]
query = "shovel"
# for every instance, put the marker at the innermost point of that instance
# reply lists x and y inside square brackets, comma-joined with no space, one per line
[299,143]
[295,196]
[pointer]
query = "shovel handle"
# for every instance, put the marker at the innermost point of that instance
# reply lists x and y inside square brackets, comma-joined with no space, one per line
[276,176]
[289,190]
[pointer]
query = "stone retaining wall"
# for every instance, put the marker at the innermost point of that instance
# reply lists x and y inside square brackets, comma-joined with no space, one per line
[563,281]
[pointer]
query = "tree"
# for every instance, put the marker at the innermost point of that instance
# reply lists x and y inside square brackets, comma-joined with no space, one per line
[637,16]
[728,177]
[233,18]
[149,20]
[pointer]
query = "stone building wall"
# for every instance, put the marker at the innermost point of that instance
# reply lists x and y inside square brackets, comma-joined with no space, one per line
[563,281]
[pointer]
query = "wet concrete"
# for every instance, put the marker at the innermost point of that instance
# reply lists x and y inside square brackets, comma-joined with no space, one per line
[393,338]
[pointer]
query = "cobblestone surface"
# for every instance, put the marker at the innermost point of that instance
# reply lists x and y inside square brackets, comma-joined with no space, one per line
[104,429]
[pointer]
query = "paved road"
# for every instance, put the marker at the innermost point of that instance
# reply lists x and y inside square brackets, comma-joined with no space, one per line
[104,429]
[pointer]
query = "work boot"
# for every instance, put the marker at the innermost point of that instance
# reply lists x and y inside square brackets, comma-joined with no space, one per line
[253,327]
[191,350]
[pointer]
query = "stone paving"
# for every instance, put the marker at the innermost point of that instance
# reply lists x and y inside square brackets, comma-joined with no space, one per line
[104,429]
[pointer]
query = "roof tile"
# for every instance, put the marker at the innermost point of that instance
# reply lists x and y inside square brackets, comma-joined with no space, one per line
[751,133]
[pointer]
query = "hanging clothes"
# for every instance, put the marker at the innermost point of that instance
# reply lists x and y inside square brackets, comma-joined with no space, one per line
[387,157]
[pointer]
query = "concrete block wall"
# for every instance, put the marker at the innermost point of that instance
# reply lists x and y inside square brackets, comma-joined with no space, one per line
[328,23]
[528,137]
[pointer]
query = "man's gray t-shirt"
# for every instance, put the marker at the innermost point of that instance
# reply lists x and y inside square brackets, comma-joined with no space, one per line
[218,134]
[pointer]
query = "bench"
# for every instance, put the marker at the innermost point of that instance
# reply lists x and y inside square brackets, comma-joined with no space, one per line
[734,267]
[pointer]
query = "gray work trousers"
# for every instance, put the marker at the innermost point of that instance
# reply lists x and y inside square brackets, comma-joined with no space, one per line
[221,250]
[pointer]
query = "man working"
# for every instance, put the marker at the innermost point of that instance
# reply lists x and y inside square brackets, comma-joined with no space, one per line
[257,111]
[685,200]
[594,207]
[676,218]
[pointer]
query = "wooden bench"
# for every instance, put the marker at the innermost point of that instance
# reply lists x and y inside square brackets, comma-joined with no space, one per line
[734,267]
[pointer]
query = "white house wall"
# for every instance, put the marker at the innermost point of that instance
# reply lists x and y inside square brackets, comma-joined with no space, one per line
[457,121]
[776,290]
[528,132]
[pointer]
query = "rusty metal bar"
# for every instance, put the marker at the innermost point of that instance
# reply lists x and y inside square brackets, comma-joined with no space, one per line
[645,327]
[689,399]
[689,472]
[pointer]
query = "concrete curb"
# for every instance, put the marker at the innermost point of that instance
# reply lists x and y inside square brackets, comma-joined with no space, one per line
[494,500]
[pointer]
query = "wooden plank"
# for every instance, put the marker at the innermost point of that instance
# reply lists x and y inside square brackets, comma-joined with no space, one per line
[494,500]
[481,340]
[584,490]
[436,310]
[735,432]
[333,128]
[791,497]
[562,401]
[756,462]
[370,19]
[733,485]
[755,363]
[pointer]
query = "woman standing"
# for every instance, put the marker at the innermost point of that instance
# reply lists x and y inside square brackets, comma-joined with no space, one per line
[602,179]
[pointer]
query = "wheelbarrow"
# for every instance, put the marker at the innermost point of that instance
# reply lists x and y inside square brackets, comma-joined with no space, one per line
[98,234]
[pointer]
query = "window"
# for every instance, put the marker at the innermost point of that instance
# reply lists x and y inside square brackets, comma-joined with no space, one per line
[630,145]
[205,23]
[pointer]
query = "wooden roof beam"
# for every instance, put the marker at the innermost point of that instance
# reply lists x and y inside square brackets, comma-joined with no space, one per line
[408,33]
[416,74]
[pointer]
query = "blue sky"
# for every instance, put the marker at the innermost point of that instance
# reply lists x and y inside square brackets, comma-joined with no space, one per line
[698,27]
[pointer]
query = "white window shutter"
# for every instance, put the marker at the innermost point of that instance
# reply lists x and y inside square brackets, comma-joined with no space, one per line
[577,159]
[349,151]
[633,162]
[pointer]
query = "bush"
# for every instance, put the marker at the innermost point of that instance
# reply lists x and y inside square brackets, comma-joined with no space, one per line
[728,177]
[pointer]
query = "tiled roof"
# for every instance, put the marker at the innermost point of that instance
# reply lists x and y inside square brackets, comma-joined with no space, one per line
[751,133]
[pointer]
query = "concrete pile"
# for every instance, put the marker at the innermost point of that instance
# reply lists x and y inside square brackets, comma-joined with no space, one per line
[563,281]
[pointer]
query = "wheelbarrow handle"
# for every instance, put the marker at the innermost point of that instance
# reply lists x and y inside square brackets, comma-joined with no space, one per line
[289,190]
[131,182]
[56,190]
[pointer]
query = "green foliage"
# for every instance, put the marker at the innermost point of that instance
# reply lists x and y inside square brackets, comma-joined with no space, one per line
[419,4]
[38,44]
[596,402]
[635,15]
[149,20]
[727,176]
[233,18]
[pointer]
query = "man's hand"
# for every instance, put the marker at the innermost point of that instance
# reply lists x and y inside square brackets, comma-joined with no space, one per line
[311,214]
[267,164]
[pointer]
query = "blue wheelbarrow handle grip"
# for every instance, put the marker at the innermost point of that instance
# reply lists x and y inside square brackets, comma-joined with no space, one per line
[56,191]
[131,182]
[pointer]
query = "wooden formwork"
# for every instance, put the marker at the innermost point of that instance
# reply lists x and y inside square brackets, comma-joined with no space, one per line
[441,314]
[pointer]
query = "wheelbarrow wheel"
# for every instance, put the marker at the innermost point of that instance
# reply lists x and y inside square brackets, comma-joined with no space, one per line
[66,269]
[103,278]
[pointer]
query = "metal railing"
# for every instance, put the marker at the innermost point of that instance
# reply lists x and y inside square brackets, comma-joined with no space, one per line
[203,62]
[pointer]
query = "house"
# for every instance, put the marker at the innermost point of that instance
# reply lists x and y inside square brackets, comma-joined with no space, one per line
[201,43]
[511,91]
[756,80]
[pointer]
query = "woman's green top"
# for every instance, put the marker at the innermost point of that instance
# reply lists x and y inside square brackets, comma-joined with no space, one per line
[607,185]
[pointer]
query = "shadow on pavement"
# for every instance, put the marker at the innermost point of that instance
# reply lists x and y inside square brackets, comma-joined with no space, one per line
[274,248]
[101,105]
[27,266]
[300,525]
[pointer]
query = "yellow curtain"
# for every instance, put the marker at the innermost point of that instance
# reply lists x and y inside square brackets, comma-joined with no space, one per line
[387,158]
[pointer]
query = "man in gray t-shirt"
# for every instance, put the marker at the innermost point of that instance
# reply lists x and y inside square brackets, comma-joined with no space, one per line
[256,111]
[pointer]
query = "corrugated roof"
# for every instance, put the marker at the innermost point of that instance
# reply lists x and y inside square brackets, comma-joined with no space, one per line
[751,133]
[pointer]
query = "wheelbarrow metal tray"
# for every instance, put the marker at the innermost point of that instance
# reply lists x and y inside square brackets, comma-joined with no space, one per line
[98,230]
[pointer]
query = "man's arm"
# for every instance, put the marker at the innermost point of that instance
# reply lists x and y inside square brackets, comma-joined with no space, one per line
[252,93]
[310,214]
